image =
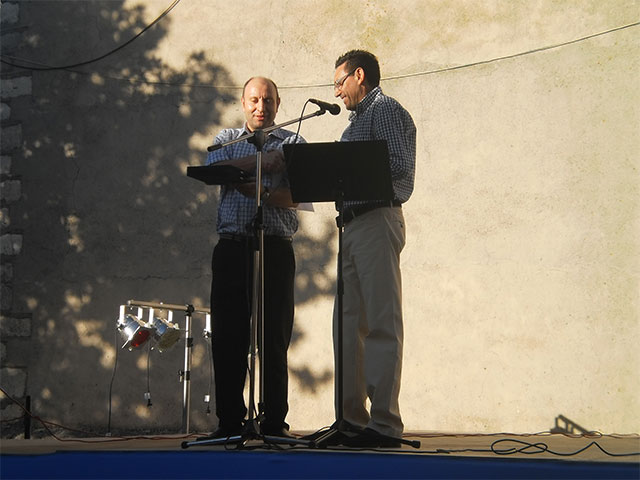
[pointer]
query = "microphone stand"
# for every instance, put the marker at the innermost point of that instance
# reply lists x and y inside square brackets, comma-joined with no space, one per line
[252,428]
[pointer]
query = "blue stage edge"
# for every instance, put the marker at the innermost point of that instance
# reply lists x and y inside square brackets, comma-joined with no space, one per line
[195,464]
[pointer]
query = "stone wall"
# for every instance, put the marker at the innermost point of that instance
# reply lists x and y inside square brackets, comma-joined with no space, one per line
[15,325]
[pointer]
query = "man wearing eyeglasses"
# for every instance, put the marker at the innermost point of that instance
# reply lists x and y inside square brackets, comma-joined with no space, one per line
[374,236]
[232,266]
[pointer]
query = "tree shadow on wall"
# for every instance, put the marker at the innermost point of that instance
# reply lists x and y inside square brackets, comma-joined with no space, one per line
[108,214]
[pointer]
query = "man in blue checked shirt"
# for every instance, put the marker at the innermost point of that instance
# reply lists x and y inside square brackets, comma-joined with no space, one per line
[374,235]
[232,267]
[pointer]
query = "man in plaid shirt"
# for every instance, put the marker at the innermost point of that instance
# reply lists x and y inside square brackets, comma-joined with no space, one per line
[232,266]
[374,235]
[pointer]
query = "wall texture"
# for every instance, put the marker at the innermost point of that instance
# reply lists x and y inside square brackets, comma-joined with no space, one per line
[522,262]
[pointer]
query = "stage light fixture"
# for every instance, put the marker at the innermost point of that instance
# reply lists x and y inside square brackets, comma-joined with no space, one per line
[166,333]
[135,332]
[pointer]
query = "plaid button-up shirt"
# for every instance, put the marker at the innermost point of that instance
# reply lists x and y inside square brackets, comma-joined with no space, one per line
[235,211]
[379,117]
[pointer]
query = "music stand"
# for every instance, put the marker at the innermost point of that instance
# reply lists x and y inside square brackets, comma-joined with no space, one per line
[219,174]
[335,172]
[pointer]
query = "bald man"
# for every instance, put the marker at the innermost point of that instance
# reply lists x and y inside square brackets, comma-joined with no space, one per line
[232,267]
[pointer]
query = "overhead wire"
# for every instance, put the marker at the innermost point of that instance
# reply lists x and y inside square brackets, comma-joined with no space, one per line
[303,86]
[515,55]
[41,67]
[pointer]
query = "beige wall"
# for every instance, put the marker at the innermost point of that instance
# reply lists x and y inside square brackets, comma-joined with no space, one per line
[521,266]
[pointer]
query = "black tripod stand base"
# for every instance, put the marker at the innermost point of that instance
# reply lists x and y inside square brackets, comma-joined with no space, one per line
[251,433]
[338,435]
[207,441]
[334,436]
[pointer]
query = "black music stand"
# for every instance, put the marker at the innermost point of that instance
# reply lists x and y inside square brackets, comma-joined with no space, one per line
[219,174]
[335,172]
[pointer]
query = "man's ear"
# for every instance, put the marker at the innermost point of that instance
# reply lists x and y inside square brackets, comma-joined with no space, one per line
[360,76]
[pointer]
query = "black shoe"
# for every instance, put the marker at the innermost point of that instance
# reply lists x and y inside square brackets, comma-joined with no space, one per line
[339,434]
[277,429]
[336,439]
[369,438]
[276,432]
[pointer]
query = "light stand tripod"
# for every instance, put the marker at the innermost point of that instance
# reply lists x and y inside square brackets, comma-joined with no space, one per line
[185,375]
[339,171]
[251,429]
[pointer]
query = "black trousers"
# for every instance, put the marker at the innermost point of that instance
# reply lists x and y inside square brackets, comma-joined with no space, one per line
[231,295]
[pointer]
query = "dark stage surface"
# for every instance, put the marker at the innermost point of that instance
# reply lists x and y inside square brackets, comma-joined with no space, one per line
[546,456]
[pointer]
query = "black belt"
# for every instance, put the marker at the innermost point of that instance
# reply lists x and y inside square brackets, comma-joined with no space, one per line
[349,214]
[234,237]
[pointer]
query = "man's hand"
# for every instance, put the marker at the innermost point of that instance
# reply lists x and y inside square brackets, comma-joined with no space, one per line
[273,161]
[280,197]
[248,189]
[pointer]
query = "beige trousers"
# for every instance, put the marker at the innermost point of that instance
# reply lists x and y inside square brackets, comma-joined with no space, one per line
[372,320]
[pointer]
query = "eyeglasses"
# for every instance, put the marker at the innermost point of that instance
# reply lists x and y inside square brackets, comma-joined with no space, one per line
[338,84]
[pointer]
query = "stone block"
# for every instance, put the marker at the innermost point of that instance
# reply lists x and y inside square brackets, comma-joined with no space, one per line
[10,190]
[11,137]
[5,111]
[5,220]
[6,271]
[15,327]
[5,164]
[10,41]
[15,87]
[11,412]
[6,299]
[14,381]
[11,244]
[9,14]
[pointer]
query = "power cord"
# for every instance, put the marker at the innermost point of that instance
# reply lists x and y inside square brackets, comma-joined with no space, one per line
[113,376]
[540,447]
[98,438]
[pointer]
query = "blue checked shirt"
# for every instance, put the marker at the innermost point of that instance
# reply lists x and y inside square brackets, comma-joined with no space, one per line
[235,211]
[379,117]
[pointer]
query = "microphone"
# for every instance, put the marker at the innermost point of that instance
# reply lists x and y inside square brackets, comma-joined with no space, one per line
[332,108]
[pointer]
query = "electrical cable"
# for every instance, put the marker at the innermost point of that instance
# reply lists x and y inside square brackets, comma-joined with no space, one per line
[100,439]
[93,60]
[147,395]
[539,447]
[322,85]
[507,57]
[113,376]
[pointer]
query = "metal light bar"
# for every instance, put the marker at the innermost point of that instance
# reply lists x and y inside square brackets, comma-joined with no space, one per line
[168,306]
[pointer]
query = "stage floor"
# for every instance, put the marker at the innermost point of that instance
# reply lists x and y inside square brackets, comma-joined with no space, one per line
[440,456]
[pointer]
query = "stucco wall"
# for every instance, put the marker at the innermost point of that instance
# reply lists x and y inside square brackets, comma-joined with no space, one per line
[521,265]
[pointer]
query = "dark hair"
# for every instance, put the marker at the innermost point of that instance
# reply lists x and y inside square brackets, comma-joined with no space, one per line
[365,60]
[268,80]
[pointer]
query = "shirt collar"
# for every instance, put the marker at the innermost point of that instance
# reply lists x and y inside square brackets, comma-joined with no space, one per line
[366,102]
[278,132]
